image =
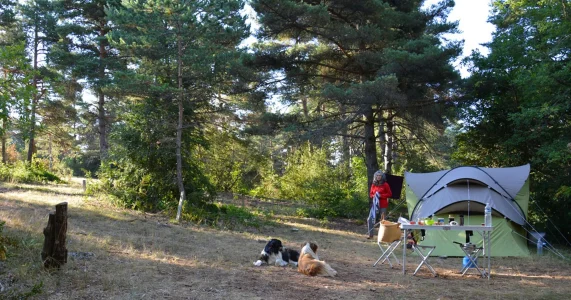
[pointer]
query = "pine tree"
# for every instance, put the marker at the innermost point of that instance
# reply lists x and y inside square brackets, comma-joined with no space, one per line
[359,67]
[520,105]
[180,53]
[15,72]
[83,53]
[38,21]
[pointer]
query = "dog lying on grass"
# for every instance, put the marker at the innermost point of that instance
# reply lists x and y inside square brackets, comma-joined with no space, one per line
[309,263]
[275,253]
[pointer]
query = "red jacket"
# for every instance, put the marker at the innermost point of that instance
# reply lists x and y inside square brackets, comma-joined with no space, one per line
[384,190]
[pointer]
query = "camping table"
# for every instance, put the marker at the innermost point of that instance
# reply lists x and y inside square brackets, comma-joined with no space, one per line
[486,237]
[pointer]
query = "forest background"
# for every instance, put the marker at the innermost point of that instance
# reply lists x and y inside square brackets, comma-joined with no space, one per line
[330,92]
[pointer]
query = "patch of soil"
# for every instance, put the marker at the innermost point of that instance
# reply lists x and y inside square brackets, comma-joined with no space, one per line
[121,254]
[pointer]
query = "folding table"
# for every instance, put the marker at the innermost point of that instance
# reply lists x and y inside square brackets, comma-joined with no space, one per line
[486,237]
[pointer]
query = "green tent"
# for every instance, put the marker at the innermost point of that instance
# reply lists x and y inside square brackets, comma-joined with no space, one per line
[465,191]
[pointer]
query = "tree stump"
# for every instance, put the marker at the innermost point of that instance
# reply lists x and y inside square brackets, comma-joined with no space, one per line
[54,253]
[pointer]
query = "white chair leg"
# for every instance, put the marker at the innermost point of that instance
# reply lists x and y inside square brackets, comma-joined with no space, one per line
[386,253]
[424,258]
[472,256]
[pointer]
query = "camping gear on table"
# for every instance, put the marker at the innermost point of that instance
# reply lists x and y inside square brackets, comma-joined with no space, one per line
[463,193]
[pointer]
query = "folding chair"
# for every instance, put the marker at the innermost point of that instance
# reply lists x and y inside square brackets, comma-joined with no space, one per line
[421,251]
[472,252]
[391,234]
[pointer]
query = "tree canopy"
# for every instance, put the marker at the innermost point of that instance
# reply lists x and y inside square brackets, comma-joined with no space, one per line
[166,103]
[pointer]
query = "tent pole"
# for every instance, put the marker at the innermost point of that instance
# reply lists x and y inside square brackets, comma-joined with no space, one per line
[468,182]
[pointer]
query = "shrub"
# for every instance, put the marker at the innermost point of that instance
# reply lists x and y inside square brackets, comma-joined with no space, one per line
[36,172]
[3,242]
[329,189]
[223,216]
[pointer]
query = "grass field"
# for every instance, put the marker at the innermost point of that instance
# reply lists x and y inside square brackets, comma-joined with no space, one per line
[121,254]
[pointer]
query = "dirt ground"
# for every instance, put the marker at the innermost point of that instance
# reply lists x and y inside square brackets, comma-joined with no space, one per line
[121,254]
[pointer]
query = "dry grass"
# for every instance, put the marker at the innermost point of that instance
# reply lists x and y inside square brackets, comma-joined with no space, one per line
[121,254]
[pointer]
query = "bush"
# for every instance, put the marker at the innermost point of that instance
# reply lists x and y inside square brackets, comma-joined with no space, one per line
[36,172]
[329,189]
[3,242]
[223,216]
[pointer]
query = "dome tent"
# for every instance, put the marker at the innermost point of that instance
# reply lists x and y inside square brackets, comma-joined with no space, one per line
[466,191]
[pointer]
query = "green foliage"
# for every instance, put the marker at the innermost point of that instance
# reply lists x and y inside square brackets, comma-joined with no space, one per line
[3,242]
[311,178]
[520,105]
[268,185]
[25,173]
[181,55]
[350,70]
[224,216]
[231,163]
[141,168]
[83,163]
[7,242]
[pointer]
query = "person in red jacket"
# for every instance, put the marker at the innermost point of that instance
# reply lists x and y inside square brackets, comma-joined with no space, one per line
[379,194]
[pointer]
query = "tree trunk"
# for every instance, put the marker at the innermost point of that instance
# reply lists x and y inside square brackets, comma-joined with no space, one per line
[389,147]
[370,147]
[382,138]
[35,98]
[103,145]
[50,152]
[304,105]
[4,132]
[54,253]
[179,178]
[345,150]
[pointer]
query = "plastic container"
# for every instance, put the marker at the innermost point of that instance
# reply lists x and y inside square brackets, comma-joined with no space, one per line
[488,215]
[467,263]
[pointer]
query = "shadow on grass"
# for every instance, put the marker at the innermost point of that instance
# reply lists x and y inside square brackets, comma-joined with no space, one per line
[137,255]
[40,188]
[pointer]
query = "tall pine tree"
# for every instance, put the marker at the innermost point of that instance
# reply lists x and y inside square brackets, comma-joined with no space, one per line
[360,69]
[83,53]
[180,54]
[521,103]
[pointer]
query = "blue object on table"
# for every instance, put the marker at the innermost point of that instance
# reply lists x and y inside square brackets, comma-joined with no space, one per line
[466,261]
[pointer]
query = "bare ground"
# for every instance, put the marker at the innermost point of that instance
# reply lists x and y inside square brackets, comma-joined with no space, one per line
[121,254]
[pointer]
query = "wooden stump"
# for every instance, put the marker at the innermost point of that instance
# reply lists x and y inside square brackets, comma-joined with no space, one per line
[54,253]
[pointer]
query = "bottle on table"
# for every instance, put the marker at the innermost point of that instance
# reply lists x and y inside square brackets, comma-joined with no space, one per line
[488,215]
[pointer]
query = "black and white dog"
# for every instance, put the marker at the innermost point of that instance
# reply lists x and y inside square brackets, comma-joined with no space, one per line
[275,253]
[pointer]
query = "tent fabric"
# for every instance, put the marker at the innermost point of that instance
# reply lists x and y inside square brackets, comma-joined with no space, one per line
[477,195]
[466,190]
[506,181]
[395,183]
[506,239]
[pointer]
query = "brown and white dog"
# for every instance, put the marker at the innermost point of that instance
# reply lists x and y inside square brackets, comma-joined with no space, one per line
[309,263]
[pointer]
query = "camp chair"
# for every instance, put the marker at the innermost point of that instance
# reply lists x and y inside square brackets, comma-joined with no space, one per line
[391,234]
[472,252]
[421,251]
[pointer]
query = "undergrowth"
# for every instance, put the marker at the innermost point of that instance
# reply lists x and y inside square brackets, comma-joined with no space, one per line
[18,256]
[226,216]
[22,172]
